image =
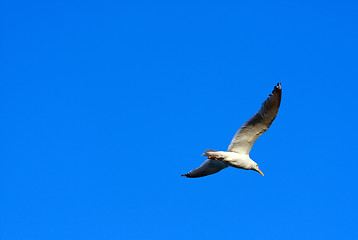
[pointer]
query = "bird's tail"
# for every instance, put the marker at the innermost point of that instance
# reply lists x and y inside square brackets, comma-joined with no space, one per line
[207,152]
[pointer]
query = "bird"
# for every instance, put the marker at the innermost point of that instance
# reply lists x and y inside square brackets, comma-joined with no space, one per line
[238,151]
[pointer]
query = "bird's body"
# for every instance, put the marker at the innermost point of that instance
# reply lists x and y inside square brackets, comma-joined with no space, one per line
[232,159]
[238,152]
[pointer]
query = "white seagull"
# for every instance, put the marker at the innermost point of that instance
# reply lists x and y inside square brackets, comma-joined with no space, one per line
[237,154]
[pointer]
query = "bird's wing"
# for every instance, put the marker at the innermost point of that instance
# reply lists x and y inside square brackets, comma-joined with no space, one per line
[250,131]
[208,167]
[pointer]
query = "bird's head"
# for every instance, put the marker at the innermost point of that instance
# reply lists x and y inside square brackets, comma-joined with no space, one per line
[256,168]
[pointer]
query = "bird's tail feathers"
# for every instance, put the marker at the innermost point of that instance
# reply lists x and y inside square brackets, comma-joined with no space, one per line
[206,153]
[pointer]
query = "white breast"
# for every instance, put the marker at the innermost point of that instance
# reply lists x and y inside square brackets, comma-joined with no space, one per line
[238,160]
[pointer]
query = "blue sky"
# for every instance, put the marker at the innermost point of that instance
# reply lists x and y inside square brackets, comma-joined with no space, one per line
[104,104]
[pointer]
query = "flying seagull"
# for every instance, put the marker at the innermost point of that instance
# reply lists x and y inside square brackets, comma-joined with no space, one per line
[237,154]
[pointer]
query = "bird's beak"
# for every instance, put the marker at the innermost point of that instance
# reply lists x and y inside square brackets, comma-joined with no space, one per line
[260,172]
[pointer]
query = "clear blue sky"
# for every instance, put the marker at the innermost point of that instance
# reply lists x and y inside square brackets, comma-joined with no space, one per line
[104,104]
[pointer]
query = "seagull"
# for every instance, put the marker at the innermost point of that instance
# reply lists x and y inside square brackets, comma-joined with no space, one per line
[237,154]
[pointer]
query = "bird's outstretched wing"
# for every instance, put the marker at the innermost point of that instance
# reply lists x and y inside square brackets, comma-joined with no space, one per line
[208,167]
[250,131]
